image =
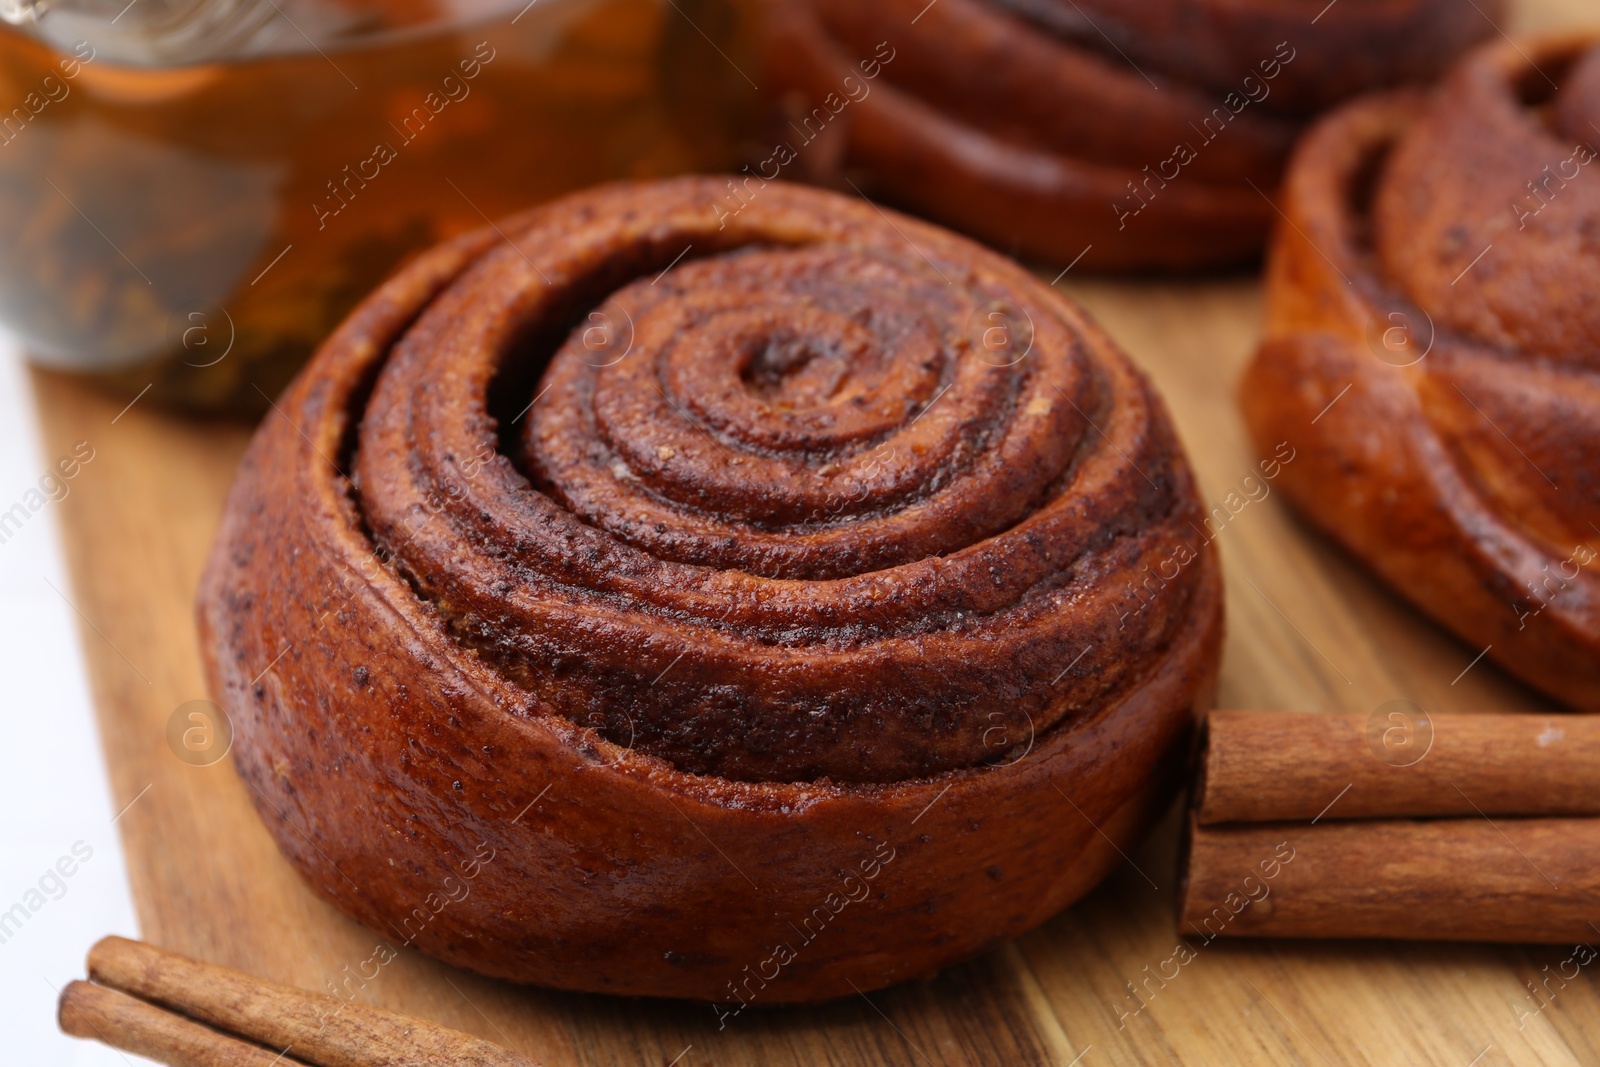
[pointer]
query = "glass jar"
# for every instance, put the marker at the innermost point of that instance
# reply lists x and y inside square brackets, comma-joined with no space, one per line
[193,193]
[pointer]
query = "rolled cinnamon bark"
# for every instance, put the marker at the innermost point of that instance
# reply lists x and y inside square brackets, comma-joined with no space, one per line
[1469,879]
[213,1014]
[1396,762]
[99,1013]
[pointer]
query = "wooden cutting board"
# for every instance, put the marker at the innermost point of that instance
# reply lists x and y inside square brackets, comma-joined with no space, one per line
[1308,629]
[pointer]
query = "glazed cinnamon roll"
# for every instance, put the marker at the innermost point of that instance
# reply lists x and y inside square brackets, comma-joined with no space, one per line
[1130,134]
[754,604]
[1433,351]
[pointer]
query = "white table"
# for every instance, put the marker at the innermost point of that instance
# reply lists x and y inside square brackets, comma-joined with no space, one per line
[53,793]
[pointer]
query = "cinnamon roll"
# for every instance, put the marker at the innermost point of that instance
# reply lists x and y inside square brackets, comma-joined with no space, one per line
[754,604]
[1433,351]
[1132,134]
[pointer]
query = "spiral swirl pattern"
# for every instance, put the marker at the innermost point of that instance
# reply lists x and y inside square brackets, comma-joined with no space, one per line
[1442,270]
[631,525]
[807,504]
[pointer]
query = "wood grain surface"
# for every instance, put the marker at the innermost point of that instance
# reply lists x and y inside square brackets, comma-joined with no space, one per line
[1308,630]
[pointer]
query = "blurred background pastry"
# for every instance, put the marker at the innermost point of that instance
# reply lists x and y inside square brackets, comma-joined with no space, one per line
[1432,348]
[1129,134]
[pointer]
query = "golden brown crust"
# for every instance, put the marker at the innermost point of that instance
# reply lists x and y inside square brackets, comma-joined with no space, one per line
[801,542]
[1129,133]
[1430,270]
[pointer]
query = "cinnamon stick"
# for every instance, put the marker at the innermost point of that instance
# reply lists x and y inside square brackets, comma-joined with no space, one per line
[1465,879]
[306,1027]
[128,1023]
[1397,761]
